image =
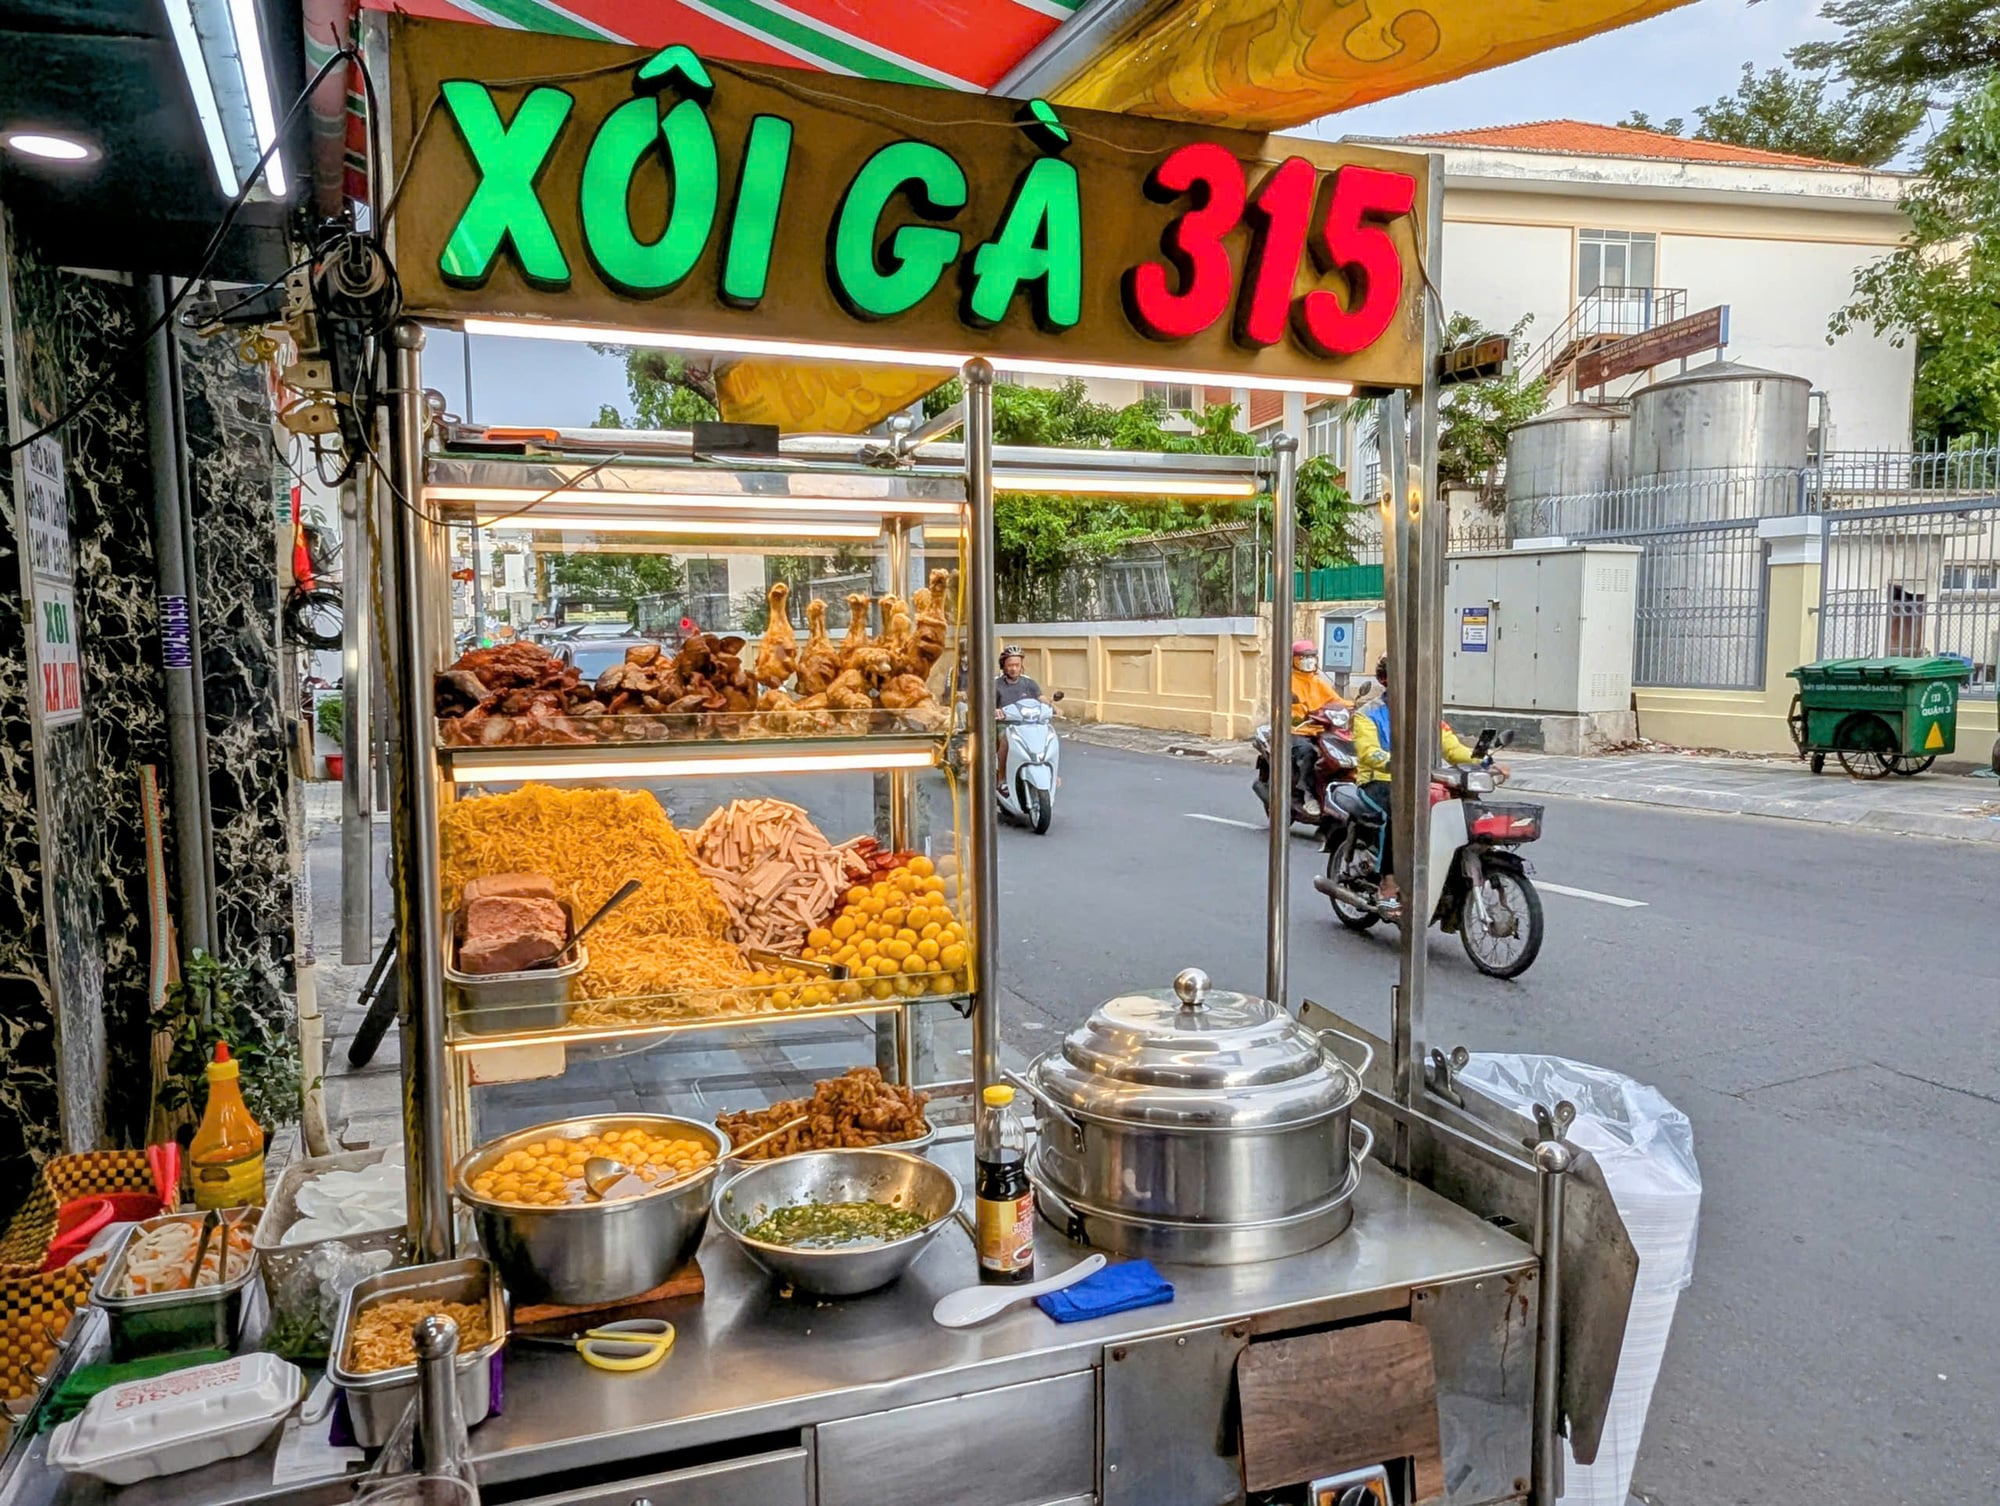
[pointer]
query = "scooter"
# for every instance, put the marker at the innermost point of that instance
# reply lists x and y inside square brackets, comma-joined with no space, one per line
[1333,763]
[1479,883]
[1033,756]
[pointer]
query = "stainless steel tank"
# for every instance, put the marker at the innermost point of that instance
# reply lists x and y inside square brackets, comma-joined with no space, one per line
[1578,452]
[1721,415]
[1717,446]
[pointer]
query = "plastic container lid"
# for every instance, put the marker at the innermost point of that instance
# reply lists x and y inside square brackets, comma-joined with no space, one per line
[178,1421]
[998,1096]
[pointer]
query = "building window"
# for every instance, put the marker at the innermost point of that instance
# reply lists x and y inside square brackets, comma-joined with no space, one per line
[1173,396]
[1971,578]
[1614,259]
[707,577]
[1326,435]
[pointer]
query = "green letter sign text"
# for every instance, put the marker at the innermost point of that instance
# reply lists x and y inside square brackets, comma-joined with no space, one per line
[875,279]
[1040,242]
[504,207]
[622,142]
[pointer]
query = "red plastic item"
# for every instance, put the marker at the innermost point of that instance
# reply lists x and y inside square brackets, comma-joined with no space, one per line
[78,1222]
[165,1160]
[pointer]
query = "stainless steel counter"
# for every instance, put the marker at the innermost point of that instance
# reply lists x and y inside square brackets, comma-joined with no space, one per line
[749,1362]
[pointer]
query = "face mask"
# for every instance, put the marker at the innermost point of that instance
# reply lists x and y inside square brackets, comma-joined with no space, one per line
[1309,664]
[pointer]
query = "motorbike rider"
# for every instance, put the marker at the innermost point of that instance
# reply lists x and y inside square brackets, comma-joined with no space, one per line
[1311,691]
[1371,777]
[1009,688]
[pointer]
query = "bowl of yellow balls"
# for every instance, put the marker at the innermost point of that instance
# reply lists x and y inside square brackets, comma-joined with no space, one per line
[894,936]
[554,1241]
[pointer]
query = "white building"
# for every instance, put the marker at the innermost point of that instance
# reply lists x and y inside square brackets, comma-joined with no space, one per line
[1539,216]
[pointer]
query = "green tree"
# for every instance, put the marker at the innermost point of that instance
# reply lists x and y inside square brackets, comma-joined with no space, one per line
[1941,287]
[1475,418]
[628,576]
[668,392]
[1940,49]
[1800,113]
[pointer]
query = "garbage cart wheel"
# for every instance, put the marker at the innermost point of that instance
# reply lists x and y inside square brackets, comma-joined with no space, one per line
[1796,720]
[1867,747]
[1817,763]
[1909,768]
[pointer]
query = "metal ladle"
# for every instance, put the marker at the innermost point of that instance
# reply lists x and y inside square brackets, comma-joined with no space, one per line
[625,891]
[602,1173]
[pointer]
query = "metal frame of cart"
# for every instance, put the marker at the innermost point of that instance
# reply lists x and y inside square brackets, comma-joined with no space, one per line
[1524,1331]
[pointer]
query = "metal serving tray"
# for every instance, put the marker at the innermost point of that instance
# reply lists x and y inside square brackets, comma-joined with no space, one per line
[208,1317]
[376,1401]
[503,1003]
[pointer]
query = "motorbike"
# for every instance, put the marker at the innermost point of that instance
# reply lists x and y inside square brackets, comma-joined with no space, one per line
[1333,762]
[1480,886]
[1027,790]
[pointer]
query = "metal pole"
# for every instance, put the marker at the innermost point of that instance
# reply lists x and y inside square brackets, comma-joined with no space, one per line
[180,640]
[1545,1468]
[357,823]
[1278,890]
[1415,533]
[984,868]
[418,945]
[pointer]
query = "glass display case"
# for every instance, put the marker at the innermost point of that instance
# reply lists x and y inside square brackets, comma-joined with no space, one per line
[739,684]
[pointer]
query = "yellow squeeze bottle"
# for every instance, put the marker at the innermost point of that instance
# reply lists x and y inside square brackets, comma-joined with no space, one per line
[226,1158]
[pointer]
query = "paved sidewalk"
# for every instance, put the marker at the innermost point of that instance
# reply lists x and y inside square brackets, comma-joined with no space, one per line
[1961,806]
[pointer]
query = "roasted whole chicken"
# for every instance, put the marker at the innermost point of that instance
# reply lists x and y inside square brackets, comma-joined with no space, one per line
[778,654]
[819,660]
[857,629]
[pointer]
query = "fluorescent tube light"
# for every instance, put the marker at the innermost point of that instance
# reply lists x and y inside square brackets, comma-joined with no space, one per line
[684,528]
[531,498]
[691,768]
[244,22]
[871,355]
[1105,484]
[194,67]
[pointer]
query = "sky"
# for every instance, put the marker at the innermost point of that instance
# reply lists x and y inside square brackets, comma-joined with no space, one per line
[1664,66]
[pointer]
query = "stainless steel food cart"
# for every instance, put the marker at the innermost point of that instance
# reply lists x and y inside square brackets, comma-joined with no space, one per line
[1467,1320]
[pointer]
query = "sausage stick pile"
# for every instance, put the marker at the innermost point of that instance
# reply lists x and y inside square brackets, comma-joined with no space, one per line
[774,871]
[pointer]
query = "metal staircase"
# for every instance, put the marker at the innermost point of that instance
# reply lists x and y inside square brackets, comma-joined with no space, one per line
[1602,317]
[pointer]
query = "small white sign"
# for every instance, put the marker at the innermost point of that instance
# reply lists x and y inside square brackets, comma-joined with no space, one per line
[49,553]
[56,656]
[1473,623]
[1337,651]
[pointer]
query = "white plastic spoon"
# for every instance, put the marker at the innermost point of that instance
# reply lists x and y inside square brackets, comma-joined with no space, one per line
[975,1304]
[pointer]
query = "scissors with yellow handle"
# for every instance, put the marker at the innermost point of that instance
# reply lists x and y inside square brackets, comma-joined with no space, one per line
[627,1345]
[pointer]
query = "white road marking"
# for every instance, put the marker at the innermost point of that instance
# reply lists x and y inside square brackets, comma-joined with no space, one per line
[1544,885]
[1603,899]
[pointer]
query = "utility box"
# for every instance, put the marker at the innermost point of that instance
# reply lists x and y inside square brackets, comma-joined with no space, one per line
[1544,630]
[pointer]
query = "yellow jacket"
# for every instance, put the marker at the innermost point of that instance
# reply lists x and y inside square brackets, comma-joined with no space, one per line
[1309,693]
[1374,758]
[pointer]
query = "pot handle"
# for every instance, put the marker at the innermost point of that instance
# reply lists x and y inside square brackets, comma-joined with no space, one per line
[1025,1081]
[1066,1217]
[1367,1051]
[1367,1137]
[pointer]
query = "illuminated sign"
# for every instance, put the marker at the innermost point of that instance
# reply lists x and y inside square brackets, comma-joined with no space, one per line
[588,184]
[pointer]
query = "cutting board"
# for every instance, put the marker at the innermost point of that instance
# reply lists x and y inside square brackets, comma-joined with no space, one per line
[550,1320]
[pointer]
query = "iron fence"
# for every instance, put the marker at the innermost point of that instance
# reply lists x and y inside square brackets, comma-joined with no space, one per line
[1157,579]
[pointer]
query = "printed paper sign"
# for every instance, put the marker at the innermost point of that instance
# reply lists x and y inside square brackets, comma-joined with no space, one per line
[48,512]
[56,656]
[1472,626]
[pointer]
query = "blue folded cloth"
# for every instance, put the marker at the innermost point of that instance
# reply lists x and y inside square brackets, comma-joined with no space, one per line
[1115,1289]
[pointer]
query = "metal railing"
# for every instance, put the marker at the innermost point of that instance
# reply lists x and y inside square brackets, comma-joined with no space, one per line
[1143,580]
[1605,311]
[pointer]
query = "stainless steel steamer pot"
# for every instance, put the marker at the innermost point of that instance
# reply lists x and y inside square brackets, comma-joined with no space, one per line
[1212,1115]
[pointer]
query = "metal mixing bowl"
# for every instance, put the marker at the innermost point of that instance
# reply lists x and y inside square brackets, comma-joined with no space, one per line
[838,1176]
[585,1254]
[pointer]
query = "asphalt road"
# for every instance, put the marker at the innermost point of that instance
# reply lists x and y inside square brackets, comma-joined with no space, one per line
[1825,1006]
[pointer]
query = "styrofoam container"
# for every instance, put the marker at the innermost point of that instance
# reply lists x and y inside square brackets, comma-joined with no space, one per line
[178,1421]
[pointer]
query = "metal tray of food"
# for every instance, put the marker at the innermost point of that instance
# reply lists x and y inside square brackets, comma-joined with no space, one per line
[179,1322]
[376,1400]
[501,1003]
[301,1322]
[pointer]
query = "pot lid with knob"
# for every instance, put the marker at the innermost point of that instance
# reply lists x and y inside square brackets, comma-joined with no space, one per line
[1195,1057]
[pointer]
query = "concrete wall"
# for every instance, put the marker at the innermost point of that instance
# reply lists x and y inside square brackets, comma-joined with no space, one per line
[1203,676]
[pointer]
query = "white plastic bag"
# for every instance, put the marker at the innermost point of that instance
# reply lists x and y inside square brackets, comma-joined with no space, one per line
[1646,1148]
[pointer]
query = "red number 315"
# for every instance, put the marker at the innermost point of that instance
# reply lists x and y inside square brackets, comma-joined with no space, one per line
[1352,238]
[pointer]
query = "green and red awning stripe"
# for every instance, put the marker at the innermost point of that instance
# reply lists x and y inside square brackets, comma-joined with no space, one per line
[961,44]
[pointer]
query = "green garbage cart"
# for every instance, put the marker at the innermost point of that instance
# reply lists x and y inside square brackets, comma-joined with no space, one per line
[1877,716]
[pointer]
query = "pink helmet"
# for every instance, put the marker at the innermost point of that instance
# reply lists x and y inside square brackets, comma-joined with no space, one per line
[1304,646]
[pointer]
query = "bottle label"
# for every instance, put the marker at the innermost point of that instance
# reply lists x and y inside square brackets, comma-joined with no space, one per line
[1007,1233]
[230,1184]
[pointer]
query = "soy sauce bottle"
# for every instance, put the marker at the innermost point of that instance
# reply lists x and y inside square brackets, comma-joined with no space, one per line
[1001,1194]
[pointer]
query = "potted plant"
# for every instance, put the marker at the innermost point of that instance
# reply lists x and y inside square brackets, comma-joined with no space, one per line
[329,715]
